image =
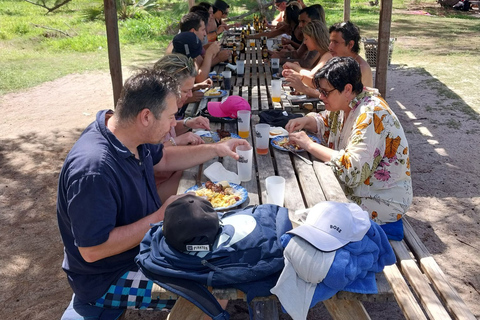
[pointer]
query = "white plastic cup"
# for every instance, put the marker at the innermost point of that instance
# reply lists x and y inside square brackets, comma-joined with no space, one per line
[275,63]
[270,44]
[252,42]
[243,123]
[275,187]
[276,90]
[262,134]
[244,163]
[240,68]
[227,79]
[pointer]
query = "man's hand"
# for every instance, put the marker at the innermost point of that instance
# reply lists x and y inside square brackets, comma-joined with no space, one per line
[213,49]
[223,55]
[227,148]
[294,80]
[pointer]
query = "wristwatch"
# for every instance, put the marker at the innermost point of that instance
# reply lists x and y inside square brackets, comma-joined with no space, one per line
[185,122]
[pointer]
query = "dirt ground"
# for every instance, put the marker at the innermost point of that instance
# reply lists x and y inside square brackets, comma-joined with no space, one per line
[38,127]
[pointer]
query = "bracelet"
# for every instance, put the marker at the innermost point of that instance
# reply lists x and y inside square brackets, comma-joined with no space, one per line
[172,141]
[185,122]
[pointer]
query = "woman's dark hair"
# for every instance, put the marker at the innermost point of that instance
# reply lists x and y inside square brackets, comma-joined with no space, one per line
[321,12]
[291,12]
[147,89]
[350,32]
[202,12]
[339,71]
[206,5]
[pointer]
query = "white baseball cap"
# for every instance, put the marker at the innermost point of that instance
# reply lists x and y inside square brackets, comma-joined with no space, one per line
[331,225]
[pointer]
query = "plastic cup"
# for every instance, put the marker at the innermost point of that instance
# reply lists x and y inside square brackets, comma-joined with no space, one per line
[240,68]
[275,186]
[252,42]
[275,63]
[227,79]
[243,123]
[276,90]
[244,163]
[262,134]
[270,44]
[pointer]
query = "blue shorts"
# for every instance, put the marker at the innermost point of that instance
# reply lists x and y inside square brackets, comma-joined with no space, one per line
[132,291]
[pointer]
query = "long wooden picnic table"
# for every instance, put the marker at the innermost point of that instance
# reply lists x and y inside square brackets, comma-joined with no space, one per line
[416,282]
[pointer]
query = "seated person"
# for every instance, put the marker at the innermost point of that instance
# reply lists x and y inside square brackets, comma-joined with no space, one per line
[220,11]
[306,58]
[212,24]
[290,26]
[280,5]
[195,22]
[316,38]
[107,199]
[345,42]
[184,70]
[187,43]
[362,140]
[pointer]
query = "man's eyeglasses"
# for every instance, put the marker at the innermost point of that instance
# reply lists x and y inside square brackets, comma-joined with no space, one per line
[325,93]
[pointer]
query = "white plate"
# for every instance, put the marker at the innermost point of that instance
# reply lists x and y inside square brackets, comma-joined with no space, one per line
[284,132]
[239,191]
[276,140]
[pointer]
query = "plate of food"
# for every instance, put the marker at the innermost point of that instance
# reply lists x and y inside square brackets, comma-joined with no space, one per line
[284,144]
[222,195]
[215,93]
[219,135]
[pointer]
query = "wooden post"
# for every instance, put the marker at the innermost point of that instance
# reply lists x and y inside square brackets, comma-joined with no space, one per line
[383,46]
[346,10]
[191,3]
[113,42]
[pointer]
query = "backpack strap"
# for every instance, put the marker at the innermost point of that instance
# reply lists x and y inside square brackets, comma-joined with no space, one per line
[195,293]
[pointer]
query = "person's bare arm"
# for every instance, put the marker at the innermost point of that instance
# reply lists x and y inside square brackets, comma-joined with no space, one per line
[125,237]
[206,65]
[180,158]
[271,34]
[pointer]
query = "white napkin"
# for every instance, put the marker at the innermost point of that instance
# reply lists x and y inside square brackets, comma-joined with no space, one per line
[217,172]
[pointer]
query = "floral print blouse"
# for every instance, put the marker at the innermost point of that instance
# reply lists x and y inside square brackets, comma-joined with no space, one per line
[373,163]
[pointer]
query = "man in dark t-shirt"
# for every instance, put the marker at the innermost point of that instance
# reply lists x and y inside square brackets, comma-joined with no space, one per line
[107,197]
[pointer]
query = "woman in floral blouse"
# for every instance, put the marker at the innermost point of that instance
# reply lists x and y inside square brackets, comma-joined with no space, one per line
[362,140]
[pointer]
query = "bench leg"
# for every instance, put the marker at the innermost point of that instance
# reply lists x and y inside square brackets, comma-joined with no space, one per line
[185,310]
[346,309]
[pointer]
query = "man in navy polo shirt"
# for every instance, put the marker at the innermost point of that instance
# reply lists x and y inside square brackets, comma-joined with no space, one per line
[107,197]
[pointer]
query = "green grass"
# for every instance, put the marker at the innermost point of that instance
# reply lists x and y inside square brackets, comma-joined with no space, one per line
[444,44]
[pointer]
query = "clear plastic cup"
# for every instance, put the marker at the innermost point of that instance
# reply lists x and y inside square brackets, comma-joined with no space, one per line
[245,162]
[276,90]
[262,134]
[243,123]
[275,186]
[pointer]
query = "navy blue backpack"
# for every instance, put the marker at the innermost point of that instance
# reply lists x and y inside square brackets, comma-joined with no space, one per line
[247,255]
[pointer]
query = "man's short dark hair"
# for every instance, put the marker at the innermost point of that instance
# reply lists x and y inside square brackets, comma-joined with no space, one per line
[189,21]
[202,12]
[311,12]
[350,32]
[147,89]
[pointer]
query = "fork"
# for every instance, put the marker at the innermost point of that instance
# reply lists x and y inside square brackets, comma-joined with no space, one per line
[301,157]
